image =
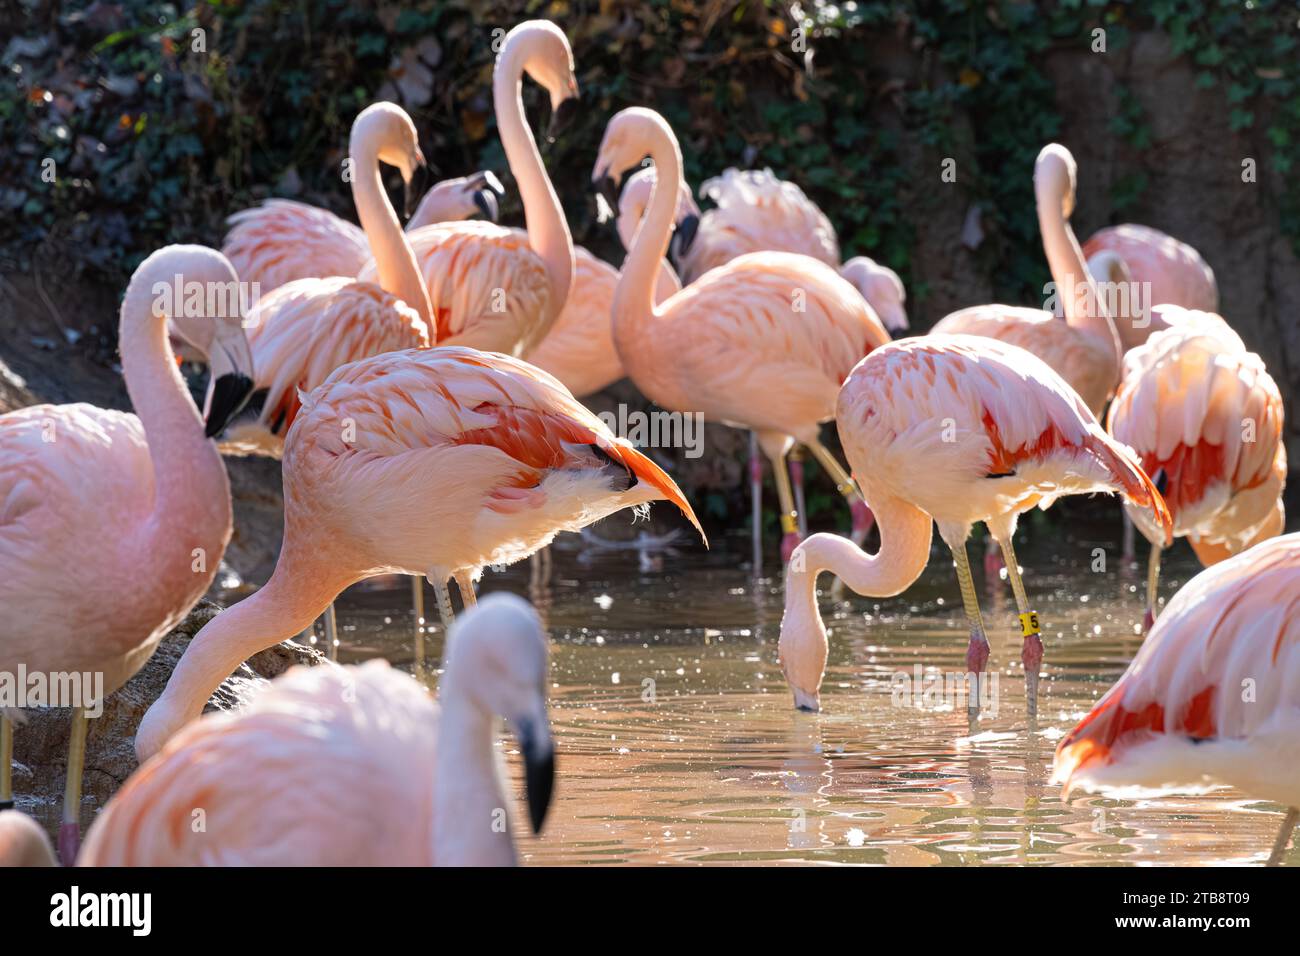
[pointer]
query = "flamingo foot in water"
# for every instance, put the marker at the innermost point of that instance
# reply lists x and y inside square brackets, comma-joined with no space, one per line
[977,658]
[69,842]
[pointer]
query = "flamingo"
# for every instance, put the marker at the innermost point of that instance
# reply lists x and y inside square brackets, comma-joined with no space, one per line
[1206,421]
[23,842]
[112,526]
[501,289]
[426,461]
[351,766]
[1084,349]
[1172,271]
[1212,697]
[579,348]
[762,342]
[282,239]
[955,429]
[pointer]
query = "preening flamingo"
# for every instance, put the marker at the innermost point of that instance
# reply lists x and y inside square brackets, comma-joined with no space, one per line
[579,348]
[957,429]
[1172,272]
[1084,349]
[490,287]
[23,842]
[763,342]
[282,239]
[1212,697]
[428,461]
[111,525]
[1206,421]
[351,766]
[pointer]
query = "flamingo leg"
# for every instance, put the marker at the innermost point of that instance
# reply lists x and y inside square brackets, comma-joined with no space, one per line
[977,653]
[1031,653]
[6,763]
[756,502]
[70,831]
[796,479]
[1288,824]
[331,634]
[1153,588]
[417,608]
[993,564]
[775,446]
[444,604]
[465,584]
[863,519]
[1127,554]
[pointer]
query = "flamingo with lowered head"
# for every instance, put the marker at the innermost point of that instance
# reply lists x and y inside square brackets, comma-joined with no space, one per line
[763,342]
[427,461]
[1212,698]
[111,525]
[501,289]
[1205,419]
[304,774]
[952,429]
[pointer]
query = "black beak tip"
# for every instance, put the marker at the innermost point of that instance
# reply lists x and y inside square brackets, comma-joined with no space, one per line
[606,186]
[486,201]
[230,393]
[539,780]
[685,233]
[562,118]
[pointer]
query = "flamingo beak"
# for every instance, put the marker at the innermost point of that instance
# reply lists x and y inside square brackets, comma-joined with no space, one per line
[563,117]
[230,393]
[685,234]
[607,187]
[485,200]
[534,735]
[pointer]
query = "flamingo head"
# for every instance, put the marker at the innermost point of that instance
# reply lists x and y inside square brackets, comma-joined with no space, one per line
[548,59]
[387,130]
[1055,174]
[883,290]
[803,647]
[634,199]
[460,198]
[205,322]
[497,662]
[628,139]
[1115,282]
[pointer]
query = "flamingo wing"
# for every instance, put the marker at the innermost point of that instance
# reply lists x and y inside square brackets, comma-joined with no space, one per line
[301,333]
[1213,695]
[1176,272]
[755,212]
[282,240]
[327,766]
[487,287]
[1210,417]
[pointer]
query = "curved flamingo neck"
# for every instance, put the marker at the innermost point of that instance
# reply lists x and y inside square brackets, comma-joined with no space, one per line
[1080,299]
[395,262]
[191,490]
[548,231]
[467,785]
[634,299]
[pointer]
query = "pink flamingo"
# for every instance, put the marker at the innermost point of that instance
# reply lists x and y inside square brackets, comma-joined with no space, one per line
[282,239]
[955,429]
[427,461]
[1205,419]
[579,348]
[1210,698]
[501,289]
[23,842]
[308,327]
[763,342]
[1172,271]
[304,775]
[141,506]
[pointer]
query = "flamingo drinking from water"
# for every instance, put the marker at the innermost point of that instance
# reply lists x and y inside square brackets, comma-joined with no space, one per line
[427,461]
[1212,697]
[763,342]
[501,289]
[1206,421]
[955,429]
[112,526]
[351,766]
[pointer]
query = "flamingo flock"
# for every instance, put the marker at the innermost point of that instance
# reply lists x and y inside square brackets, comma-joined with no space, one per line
[420,386]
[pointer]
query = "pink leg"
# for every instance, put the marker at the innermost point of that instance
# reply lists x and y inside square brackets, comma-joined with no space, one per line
[993,563]
[756,501]
[69,842]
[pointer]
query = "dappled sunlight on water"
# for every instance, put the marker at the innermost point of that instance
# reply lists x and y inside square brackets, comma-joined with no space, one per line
[677,740]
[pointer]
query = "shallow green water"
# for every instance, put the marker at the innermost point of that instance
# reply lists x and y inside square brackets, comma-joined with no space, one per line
[677,741]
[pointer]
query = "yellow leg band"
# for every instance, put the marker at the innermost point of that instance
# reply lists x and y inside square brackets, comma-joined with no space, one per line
[1029,624]
[789,523]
